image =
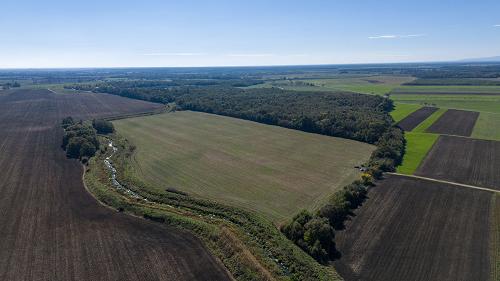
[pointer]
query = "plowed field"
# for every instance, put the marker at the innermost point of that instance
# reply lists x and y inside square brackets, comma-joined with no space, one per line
[412,229]
[463,160]
[52,229]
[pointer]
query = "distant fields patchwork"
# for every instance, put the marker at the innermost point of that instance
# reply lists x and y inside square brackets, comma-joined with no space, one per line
[417,147]
[401,110]
[481,103]
[458,89]
[271,170]
[367,84]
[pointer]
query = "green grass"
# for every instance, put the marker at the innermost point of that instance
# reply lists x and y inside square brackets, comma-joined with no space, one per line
[417,146]
[487,126]
[481,103]
[448,88]
[268,169]
[367,84]
[422,127]
[402,110]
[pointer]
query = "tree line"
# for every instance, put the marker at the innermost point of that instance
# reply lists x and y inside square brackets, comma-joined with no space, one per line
[340,114]
[80,138]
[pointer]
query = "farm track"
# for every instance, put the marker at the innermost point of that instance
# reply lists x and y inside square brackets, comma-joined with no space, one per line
[448,182]
[414,119]
[463,160]
[52,229]
[412,229]
[455,122]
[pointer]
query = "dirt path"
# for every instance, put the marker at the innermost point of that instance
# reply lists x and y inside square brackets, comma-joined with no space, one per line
[448,182]
[52,229]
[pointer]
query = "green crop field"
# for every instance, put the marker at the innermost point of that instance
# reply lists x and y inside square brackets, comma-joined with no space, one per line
[401,110]
[429,121]
[487,126]
[481,103]
[368,84]
[447,89]
[272,170]
[417,146]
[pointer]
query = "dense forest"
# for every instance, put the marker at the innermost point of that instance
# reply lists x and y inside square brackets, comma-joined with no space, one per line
[347,115]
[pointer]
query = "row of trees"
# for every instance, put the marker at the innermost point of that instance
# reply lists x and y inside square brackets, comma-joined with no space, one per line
[80,138]
[10,85]
[315,232]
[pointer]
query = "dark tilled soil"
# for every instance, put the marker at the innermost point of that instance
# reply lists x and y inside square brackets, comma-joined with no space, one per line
[414,119]
[445,93]
[463,160]
[52,229]
[412,229]
[455,122]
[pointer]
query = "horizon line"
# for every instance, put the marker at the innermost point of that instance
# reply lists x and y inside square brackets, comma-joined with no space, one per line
[248,66]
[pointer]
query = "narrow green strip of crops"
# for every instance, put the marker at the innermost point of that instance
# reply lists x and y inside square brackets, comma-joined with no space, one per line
[402,110]
[417,146]
[429,121]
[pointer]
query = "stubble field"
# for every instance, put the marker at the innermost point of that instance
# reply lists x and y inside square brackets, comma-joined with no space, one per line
[272,170]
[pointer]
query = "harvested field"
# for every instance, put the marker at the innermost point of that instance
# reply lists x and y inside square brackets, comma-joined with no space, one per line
[411,229]
[52,229]
[463,160]
[411,121]
[272,170]
[455,122]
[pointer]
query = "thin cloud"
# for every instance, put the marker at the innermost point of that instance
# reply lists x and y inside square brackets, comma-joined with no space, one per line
[174,54]
[383,37]
[250,55]
[496,25]
[393,36]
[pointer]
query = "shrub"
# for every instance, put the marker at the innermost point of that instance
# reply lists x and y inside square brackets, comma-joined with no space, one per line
[103,126]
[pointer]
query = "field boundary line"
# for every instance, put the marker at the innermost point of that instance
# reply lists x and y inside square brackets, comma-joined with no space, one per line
[448,182]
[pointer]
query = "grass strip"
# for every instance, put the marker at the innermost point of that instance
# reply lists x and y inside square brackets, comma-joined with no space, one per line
[417,147]
[422,127]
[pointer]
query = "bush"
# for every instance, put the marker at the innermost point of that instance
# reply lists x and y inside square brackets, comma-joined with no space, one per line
[103,126]
[79,140]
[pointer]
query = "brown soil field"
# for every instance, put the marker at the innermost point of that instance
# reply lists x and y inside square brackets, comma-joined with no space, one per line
[455,93]
[455,122]
[52,229]
[414,119]
[463,160]
[412,229]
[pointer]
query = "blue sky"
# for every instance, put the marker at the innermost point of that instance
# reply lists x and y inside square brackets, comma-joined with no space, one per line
[124,33]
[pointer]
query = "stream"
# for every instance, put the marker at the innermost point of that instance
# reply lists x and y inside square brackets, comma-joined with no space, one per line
[116,183]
